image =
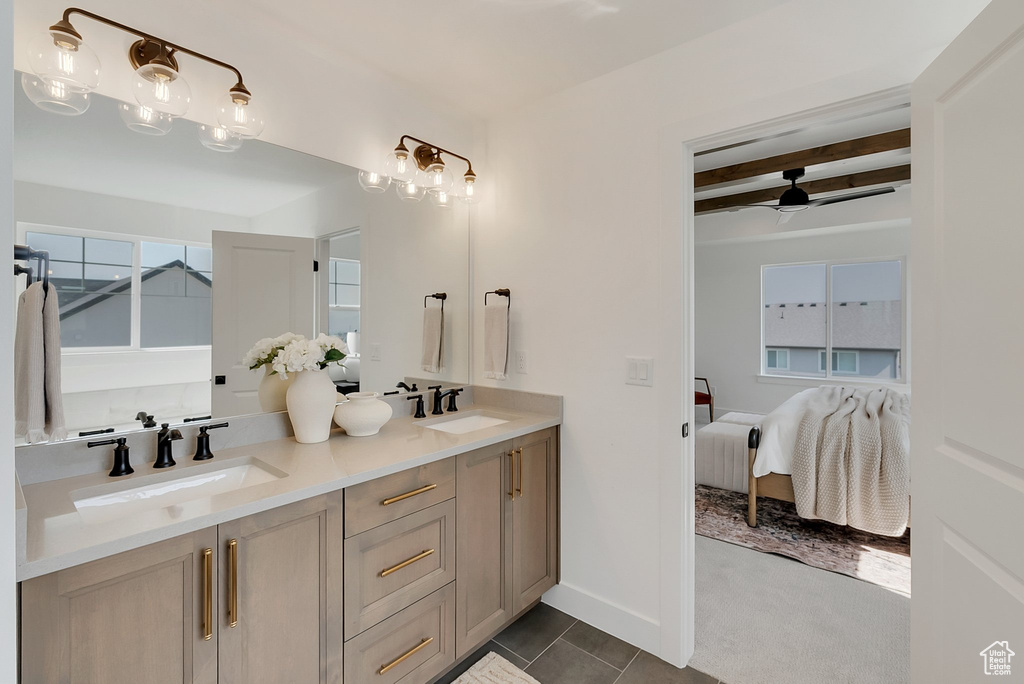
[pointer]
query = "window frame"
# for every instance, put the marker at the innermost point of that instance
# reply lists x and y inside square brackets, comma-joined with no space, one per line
[23,228]
[902,356]
[776,366]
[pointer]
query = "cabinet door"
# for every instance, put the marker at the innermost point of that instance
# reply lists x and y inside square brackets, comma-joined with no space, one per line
[142,611]
[281,580]
[483,481]
[535,517]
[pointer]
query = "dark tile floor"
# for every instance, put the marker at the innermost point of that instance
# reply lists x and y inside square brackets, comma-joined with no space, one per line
[555,648]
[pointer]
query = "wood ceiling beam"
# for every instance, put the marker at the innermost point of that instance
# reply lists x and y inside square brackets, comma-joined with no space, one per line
[872,144]
[894,174]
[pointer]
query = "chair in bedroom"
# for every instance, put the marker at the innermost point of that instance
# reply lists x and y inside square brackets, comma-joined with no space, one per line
[705,398]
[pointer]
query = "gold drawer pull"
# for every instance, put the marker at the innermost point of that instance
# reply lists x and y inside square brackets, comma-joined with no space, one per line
[403,497]
[519,489]
[400,659]
[512,474]
[207,594]
[405,564]
[233,583]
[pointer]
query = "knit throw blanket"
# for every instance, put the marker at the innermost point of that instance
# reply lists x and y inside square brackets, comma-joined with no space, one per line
[851,465]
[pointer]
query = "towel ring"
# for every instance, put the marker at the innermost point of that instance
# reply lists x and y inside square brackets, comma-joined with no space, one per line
[501,292]
[437,295]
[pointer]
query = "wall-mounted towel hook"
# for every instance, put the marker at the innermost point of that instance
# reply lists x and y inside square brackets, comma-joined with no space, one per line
[42,259]
[437,295]
[501,292]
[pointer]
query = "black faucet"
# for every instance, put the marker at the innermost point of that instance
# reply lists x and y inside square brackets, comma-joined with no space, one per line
[402,385]
[147,420]
[452,408]
[164,446]
[419,405]
[122,466]
[439,396]
[203,452]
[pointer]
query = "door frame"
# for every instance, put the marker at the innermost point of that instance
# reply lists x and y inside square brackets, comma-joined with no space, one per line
[676,473]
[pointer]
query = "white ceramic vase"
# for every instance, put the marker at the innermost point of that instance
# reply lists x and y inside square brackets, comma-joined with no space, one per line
[363,414]
[272,391]
[311,400]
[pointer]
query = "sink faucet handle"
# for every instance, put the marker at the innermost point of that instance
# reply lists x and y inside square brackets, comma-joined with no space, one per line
[146,419]
[203,452]
[420,413]
[122,465]
[453,393]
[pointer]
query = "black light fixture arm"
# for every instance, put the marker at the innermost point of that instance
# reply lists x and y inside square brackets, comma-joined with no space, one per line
[65,25]
[469,164]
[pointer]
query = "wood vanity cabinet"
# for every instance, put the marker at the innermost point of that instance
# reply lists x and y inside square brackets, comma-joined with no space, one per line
[163,613]
[507,531]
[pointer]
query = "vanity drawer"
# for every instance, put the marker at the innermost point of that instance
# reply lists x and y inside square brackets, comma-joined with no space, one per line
[376,502]
[413,646]
[392,566]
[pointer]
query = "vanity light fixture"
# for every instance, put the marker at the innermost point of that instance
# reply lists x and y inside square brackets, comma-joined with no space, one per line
[66,70]
[422,172]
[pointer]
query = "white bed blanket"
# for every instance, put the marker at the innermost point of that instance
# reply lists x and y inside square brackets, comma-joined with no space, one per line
[778,436]
[851,461]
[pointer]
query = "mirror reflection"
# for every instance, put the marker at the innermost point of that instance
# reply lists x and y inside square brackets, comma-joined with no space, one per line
[170,260]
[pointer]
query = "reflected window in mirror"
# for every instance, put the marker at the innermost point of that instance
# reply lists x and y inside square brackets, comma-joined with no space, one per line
[343,296]
[123,292]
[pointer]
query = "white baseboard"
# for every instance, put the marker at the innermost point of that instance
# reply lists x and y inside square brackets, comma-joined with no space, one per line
[635,629]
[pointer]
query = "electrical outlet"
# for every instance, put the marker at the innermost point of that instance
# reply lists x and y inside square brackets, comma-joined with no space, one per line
[375,351]
[521,362]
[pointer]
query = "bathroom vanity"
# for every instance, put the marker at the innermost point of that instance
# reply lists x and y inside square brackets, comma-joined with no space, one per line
[377,559]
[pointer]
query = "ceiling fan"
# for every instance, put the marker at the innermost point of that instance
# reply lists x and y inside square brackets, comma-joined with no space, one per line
[796,199]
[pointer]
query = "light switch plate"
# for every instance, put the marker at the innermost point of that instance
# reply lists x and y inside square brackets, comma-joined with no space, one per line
[375,351]
[640,371]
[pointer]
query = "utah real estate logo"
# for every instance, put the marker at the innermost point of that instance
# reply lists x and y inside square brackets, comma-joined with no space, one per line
[997,658]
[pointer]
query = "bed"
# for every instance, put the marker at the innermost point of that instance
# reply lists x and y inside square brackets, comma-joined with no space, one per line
[754,454]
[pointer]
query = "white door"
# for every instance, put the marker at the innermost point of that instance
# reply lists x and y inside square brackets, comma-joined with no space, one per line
[968,354]
[264,286]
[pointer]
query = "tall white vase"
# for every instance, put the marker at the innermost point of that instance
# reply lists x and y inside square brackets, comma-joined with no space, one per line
[311,400]
[363,414]
[272,391]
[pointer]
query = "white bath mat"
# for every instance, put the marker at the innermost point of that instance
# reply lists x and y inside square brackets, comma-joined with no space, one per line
[493,669]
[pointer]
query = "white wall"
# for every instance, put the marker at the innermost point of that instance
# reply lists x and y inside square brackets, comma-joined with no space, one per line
[727,306]
[584,224]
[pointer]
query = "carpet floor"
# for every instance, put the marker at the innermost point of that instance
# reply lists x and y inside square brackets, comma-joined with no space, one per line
[761,618]
[885,561]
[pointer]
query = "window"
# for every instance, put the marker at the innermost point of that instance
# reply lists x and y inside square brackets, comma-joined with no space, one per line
[849,313]
[343,296]
[777,359]
[128,293]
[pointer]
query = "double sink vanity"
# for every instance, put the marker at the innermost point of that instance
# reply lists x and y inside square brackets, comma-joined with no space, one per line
[373,559]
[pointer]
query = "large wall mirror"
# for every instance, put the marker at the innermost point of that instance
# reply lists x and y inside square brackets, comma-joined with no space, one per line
[171,259]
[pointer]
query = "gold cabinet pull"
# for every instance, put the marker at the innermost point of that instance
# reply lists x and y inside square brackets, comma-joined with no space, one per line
[511,474]
[403,497]
[519,489]
[406,563]
[233,583]
[408,654]
[207,594]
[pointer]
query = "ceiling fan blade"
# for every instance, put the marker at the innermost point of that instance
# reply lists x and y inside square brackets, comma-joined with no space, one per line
[784,217]
[851,196]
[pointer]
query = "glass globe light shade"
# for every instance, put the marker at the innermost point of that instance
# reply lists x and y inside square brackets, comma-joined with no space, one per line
[469,193]
[54,96]
[400,167]
[218,138]
[410,192]
[441,199]
[374,182]
[439,179]
[144,120]
[60,57]
[240,115]
[162,89]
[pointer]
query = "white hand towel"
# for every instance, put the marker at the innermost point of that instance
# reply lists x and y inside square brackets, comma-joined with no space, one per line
[29,367]
[55,425]
[496,340]
[433,337]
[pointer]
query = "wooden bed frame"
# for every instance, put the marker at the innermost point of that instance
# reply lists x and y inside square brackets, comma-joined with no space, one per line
[772,485]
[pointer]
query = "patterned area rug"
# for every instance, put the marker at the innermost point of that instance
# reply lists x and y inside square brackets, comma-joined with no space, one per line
[885,561]
[493,669]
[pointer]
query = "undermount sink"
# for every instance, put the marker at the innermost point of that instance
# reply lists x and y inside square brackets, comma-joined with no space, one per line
[178,494]
[470,422]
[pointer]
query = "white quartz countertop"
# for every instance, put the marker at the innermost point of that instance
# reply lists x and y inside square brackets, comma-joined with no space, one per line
[58,536]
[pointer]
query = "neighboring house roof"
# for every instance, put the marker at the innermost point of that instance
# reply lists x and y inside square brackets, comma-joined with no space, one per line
[85,300]
[855,325]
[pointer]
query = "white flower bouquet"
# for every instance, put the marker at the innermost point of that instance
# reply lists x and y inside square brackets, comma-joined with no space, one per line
[266,350]
[302,354]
